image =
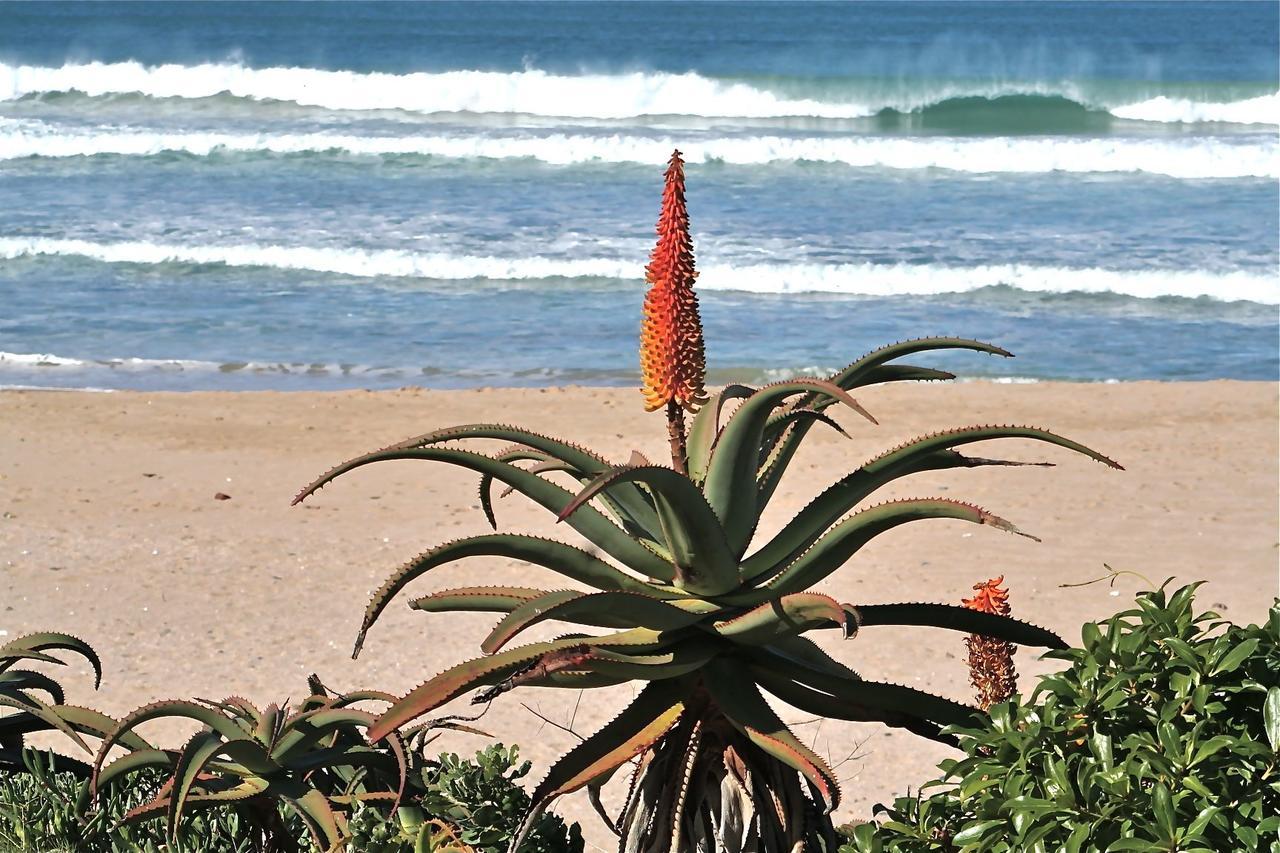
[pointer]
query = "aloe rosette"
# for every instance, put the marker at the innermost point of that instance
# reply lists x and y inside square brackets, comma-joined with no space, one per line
[709,619]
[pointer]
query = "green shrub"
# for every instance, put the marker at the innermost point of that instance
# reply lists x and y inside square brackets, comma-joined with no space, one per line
[1162,734]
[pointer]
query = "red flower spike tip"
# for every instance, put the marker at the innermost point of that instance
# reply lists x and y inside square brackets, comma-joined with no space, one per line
[991,670]
[672,358]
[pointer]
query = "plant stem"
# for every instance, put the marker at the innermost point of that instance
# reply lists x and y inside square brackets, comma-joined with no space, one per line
[675,431]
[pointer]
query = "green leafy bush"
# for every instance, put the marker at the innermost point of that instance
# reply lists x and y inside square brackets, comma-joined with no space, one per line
[1162,734]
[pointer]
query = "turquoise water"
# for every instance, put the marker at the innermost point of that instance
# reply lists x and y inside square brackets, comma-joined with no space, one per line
[358,195]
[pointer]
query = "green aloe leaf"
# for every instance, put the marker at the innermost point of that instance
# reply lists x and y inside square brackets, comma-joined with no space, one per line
[14,682]
[603,609]
[928,453]
[587,520]
[160,805]
[202,748]
[705,429]
[573,563]
[634,504]
[846,538]
[785,616]
[956,618]
[649,716]
[813,701]
[171,708]
[734,690]
[31,647]
[704,563]
[476,599]
[887,697]
[490,670]
[731,475]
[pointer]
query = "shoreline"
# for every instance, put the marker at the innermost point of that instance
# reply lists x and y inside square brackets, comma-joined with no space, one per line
[109,529]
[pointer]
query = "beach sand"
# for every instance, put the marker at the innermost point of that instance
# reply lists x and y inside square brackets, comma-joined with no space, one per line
[109,529]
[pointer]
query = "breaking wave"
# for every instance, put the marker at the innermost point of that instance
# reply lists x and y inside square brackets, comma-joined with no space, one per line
[1200,157]
[603,96]
[790,278]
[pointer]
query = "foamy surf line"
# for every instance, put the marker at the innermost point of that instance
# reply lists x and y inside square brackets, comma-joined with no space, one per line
[852,279]
[604,96]
[1198,158]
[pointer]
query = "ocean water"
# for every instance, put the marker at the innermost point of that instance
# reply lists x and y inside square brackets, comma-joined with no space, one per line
[303,196]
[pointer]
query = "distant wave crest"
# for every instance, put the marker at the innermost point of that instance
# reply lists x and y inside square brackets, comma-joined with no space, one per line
[1179,158]
[854,279]
[603,96]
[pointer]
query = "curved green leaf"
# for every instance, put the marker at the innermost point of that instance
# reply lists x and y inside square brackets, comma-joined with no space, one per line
[785,616]
[704,564]
[846,538]
[171,708]
[734,690]
[31,645]
[928,453]
[731,475]
[649,716]
[573,563]
[705,429]
[587,520]
[603,609]
[476,599]
[954,618]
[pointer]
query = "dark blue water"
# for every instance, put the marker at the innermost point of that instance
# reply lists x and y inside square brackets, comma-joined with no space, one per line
[333,195]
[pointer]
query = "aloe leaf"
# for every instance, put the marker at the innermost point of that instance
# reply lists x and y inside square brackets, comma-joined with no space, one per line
[589,463]
[884,696]
[99,725]
[202,748]
[846,538]
[587,520]
[15,681]
[801,651]
[47,713]
[681,659]
[31,645]
[154,808]
[704,563]
[787,615]
[458,679]
[856,374]
[705,429]
[730,483]
[512,454]
[313,807]
[927,453]
[734,690]
[954,618]
[649,716]
[573,563]
[813,701]
[604,609]
[171,708]
[476,599]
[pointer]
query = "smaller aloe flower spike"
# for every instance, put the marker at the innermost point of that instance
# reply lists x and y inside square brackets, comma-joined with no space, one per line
[672,357]
[991,669]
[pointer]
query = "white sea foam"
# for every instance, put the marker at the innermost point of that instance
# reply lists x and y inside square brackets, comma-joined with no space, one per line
[1264,109]
[854,279]
[1201,157]
[604,96]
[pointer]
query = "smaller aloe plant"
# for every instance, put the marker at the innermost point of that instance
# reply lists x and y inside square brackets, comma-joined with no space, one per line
[314,760]
[991,669]
[40,700]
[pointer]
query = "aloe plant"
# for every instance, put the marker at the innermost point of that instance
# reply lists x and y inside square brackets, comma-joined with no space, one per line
[312,759]
[39,700]
[709,619]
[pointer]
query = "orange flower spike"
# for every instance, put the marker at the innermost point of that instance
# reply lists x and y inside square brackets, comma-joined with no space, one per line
[991,670]
[672,357]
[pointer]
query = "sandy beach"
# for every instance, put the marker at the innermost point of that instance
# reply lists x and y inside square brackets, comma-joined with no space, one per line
[109,529]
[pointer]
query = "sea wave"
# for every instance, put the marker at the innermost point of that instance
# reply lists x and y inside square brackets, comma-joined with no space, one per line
[789,278]
[1201,157]
[603,96]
